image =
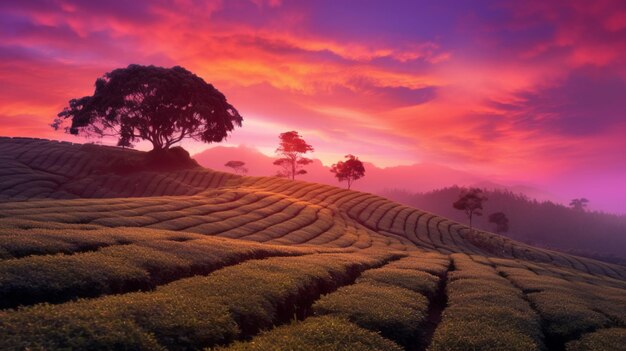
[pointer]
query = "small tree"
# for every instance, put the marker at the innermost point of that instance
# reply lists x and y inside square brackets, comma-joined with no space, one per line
[579,204]
[160,105]
[237,166]
[501,222]
[291,149]
[471,201]
[350,170]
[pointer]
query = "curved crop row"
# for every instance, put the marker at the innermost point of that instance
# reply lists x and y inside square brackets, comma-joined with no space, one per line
[48,169]
[122,268]
[485,312]
[569,308]
[392,300]
[316,334]
[191,313]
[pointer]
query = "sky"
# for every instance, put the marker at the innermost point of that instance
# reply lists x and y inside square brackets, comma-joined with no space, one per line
[520,91]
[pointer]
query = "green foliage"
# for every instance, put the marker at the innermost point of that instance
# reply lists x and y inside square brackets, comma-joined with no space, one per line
[589,233]
[431,262]
[317,334]
[73,328]
[390,300]
[125,322]
[17,242]
[198,292]
[55,170]
[485,312]
[566,315]
[610,339]
[161,105]
[394,311]
[570,308]
[421,282]
[119,269]
[189,313]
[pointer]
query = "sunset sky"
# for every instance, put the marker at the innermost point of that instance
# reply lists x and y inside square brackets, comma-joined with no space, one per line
[529,92]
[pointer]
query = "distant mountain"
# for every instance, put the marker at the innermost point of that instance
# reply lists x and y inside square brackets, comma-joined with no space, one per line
[414,178]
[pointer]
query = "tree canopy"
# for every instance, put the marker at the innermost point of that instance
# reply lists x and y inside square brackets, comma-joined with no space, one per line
[579,204]
[160,105]
[350,170]
[237,166]
[471,201]
[291,150]
[501,221]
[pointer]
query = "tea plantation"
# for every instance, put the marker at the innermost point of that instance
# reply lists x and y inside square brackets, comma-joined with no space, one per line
[91,259]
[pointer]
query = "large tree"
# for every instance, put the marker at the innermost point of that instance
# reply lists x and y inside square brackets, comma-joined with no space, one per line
[291,150]
[160,105]
[350,170]
[471,202]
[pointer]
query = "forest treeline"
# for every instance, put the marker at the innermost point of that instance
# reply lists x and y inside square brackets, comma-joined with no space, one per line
[542,223]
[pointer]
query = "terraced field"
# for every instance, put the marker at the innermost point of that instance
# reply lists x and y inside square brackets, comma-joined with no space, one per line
[198,259]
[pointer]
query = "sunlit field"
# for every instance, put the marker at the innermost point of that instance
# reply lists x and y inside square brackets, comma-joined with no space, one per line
[197,259]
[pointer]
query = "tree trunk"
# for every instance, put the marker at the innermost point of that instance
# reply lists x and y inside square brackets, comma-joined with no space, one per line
[156,145]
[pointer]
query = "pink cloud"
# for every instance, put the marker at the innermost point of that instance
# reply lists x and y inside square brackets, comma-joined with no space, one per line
[484,87]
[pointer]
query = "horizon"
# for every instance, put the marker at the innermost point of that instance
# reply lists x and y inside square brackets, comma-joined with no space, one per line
[520,93]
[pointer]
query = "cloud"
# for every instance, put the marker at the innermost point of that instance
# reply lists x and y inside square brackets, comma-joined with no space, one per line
[587,102]
[520,89]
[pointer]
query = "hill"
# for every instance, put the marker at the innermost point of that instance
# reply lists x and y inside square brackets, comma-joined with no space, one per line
[261,263]
[417,177]
[37,168]
[541,223]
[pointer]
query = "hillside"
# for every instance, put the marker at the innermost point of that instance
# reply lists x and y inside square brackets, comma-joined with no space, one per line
[541,223]
[37,168]
[377,179]
[196,259]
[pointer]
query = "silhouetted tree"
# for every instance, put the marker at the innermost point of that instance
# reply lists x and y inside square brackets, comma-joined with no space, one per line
[291,148]
[237,166]
[579,204]
[350,170]
[501,222]
[471,201]
[539,223]
[161,105]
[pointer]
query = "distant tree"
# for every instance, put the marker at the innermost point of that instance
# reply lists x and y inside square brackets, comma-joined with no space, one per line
[291,149]
[471,201]
[350,170]
[501,222]
[579,204]
[160,105]
[237,166]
